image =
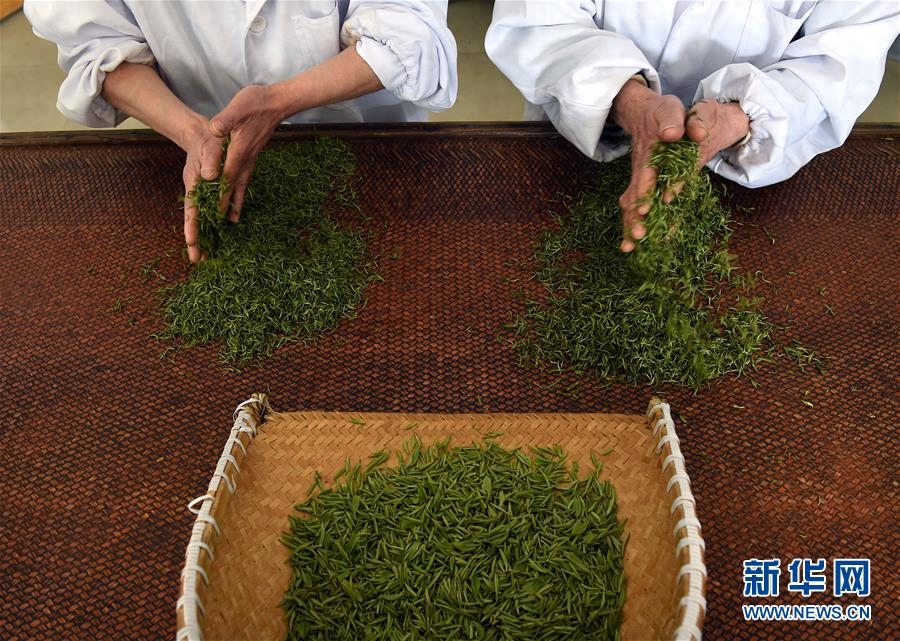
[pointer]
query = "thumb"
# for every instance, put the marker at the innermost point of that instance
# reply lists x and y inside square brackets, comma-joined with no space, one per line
[219,125]
[223,122]
[211,158]
[669,118]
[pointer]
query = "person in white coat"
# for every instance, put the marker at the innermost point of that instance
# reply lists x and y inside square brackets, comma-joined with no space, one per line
[199,71]
[769,84]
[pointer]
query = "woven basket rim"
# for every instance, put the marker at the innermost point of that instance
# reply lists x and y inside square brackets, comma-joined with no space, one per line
[250,415]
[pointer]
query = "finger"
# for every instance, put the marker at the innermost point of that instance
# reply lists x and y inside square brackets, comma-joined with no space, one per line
[672,193]
[191,231]
[191,216]
[233,170]
[225,200]
[239,168]
[637,230]
[706,142]
[237,196]
[627,220]
[698,129]
[225,122]
[633,228]
[634,202]
[644,180]
[701,121]
[669,118]
[221,124]
[628,226]
[671,133]
[210,158]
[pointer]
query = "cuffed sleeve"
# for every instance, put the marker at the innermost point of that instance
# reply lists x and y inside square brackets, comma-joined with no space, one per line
[409,47]
[807,102]
[92,38]
[559,59]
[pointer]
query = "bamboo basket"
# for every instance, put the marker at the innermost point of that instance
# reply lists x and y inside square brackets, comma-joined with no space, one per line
[236,571]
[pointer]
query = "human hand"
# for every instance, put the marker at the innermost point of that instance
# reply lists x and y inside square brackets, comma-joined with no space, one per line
[204,157]
[715,126]
[249,119]
[139,90]
[649,118]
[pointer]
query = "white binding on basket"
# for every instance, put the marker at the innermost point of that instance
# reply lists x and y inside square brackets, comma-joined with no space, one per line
[687,530]
[247,417]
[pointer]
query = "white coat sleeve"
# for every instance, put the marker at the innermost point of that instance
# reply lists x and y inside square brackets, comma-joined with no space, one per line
[92,39]
[409,47]
[808,101]
[558,57]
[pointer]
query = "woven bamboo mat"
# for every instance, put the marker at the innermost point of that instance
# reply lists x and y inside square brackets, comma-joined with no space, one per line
[104,442]
[250,573]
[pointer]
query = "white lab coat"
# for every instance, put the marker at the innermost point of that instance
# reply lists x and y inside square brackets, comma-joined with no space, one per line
[802,71]
[206,51]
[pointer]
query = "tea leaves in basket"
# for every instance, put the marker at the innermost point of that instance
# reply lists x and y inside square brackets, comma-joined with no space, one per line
[474,542]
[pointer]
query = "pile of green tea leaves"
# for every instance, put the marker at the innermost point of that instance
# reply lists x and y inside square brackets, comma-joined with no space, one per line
[474,542]
[673,310]
[287,271]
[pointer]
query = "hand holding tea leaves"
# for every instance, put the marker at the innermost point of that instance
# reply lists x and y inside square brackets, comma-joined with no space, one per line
[139,91]
[649,118]
[248,120]
[204,160]
[255,111]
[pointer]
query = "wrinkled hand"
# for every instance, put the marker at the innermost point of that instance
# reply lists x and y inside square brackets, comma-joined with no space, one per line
[204,156]
[250,118]
[715,126]
[648,118]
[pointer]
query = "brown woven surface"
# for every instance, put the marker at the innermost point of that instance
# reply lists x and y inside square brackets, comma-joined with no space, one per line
[250,572]
[103,443]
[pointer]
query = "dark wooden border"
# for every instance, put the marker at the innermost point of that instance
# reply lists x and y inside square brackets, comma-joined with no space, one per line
[294,132]
[351,131]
